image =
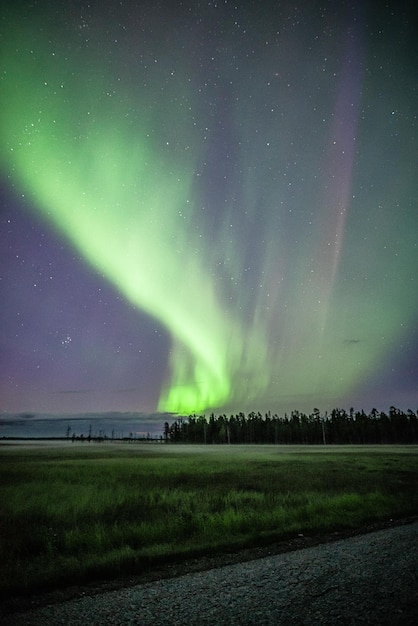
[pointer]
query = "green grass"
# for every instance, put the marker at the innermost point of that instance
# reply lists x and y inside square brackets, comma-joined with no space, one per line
[77,513]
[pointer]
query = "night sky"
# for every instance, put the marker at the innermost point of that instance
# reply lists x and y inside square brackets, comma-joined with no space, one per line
[208,206]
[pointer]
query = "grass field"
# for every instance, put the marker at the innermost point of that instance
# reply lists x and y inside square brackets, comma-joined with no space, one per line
[78,512]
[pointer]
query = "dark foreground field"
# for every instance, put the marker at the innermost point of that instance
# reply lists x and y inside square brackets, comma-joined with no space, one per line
[367,580]
[76,513]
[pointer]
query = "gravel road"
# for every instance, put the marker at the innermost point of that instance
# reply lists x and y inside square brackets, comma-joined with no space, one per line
[367,579]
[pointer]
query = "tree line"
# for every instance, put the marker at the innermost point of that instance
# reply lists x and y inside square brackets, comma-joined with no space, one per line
[336,427]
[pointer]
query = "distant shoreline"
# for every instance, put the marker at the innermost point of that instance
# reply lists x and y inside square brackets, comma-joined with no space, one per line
[76,440]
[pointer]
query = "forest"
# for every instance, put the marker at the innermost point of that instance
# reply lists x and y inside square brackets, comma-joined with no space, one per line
[336,427]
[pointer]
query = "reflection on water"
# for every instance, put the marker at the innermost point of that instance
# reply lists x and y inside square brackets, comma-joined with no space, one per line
[102,426]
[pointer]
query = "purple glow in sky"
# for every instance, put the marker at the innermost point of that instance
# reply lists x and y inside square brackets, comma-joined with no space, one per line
[208,207]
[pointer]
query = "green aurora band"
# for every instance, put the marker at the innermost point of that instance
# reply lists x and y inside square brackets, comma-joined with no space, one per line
[116,172]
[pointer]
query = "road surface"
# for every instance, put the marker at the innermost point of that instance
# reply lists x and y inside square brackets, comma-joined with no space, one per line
[367,579]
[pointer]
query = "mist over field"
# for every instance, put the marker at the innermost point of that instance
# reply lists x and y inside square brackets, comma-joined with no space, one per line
[82,513]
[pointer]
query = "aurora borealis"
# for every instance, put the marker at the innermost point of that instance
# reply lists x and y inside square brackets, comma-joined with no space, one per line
[208,205]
